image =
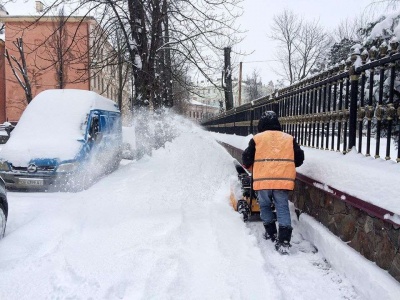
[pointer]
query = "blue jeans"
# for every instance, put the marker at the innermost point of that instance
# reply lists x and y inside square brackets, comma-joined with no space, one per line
[280,198]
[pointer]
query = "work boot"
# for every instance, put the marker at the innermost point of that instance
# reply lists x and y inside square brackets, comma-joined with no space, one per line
[283,243]
[270,231]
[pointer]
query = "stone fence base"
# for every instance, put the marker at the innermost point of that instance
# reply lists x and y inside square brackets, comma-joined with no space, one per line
[374,238]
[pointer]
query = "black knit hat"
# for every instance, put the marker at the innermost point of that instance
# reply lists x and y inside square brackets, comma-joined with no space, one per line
[269,121]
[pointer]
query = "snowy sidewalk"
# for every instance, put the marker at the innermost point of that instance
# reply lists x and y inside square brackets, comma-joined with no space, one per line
[162,228]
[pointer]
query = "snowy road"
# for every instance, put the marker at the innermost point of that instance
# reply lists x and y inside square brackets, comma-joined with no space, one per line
[162,228]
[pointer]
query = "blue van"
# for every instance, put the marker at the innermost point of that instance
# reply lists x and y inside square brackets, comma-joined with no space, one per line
[65,139]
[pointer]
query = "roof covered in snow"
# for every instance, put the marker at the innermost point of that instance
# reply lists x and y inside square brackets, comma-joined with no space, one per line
[198,103]
[30,8]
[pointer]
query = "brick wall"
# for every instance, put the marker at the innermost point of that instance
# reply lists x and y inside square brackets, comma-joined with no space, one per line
[2,83]
[40,53]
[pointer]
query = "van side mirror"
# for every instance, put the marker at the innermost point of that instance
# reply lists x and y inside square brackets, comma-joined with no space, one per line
[9,128]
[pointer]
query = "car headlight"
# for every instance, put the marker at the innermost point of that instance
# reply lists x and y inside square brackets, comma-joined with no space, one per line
[4,166]
[68,167]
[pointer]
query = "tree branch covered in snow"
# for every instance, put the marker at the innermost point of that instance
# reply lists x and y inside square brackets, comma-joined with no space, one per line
[162,34]
[19,68]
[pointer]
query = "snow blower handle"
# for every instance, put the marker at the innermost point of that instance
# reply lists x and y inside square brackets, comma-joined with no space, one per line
[251,190]
[249,171]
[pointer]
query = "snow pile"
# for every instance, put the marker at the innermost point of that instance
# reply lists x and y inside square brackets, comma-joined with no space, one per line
[385,27]
[162,228]
[369,281]
[158,228]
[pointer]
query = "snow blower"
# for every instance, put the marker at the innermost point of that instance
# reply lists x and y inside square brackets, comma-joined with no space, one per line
[247,205]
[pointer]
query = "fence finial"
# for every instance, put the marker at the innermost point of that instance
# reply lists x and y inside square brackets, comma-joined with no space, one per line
[394,45]
[383,49]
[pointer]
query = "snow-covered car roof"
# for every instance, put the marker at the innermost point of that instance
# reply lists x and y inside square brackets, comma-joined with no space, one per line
[52,124]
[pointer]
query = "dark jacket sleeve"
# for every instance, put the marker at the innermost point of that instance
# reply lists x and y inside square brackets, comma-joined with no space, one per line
[248,154]
[298,154]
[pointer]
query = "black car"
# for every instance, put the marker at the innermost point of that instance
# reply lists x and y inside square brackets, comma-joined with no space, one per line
[3,208]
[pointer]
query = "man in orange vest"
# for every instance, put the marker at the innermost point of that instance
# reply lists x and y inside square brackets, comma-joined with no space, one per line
[273,155]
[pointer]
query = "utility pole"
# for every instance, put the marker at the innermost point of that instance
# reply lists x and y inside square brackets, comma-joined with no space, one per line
[240,84]
[228,79]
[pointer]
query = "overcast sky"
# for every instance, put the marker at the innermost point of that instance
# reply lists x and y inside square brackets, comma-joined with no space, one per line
[257,20]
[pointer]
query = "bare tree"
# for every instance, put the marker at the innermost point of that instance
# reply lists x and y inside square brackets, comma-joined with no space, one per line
[302,44]
[159,37]
[348,33]
[58,52]
[3,12]
[350,28]
[164,33]
[19,68]
[167,62]
[123,68]
[286,31]
[253,85]
[347,29]
[311,47]
[387,4]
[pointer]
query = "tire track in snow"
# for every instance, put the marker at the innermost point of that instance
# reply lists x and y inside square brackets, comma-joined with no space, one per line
[302,275]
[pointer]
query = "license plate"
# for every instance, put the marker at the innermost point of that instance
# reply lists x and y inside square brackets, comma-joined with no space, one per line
[35,182]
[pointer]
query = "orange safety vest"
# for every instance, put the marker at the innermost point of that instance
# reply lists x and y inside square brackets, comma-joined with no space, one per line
[273,167]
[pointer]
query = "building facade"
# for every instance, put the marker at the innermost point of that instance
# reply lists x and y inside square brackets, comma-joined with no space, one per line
[204,102]
[207,100]
[2,83]
[60,52]
[199,111]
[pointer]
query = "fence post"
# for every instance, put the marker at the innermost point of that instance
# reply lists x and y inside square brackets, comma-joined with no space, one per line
[353,106]
[251,119]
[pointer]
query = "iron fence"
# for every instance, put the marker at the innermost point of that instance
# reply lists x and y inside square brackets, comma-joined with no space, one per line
[355,104]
